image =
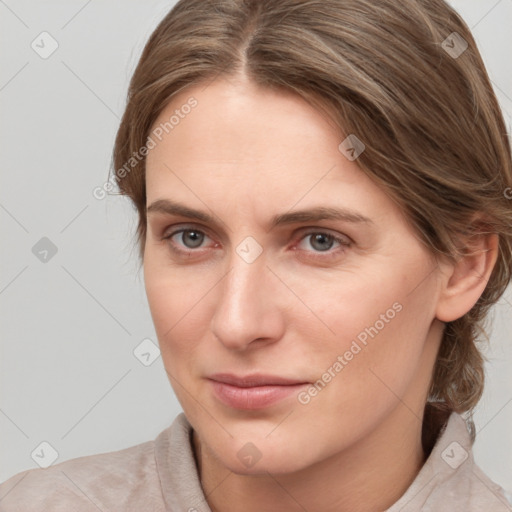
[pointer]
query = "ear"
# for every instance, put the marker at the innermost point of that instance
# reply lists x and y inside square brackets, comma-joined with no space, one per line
[464,282]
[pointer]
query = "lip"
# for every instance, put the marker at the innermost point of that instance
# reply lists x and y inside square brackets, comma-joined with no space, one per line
[255,391]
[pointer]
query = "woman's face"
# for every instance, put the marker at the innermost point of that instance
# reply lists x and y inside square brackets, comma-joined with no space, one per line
[283,261]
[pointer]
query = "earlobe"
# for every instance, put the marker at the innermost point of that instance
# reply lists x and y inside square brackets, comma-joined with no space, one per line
[465,281]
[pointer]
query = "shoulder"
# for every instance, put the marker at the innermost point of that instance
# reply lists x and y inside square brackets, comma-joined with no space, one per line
[462,481]
[468,490]
[450,480]
[485,494]
[121,480]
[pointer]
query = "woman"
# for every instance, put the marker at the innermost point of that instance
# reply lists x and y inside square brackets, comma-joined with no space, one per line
[323,223]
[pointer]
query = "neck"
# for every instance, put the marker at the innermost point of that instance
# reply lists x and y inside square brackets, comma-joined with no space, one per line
[370,476]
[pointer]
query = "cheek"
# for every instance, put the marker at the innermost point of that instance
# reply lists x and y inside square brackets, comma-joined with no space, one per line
[180,306]
[170,290]
[347,306]
[381,351]
[383,297]
[370,328]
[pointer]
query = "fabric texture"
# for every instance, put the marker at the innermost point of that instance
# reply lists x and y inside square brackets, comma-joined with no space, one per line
[161,476]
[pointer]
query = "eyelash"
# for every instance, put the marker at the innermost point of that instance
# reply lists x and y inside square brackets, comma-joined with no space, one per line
[344,242]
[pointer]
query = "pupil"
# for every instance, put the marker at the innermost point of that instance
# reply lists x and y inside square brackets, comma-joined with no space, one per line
[193,239]
[319,242]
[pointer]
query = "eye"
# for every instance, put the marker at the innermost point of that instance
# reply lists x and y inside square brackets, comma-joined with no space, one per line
[323,242]
[186,240]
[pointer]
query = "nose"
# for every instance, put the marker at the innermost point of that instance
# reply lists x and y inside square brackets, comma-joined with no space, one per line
[247,310]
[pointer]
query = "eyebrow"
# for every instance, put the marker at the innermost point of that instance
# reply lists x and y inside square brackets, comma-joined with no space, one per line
[165,206]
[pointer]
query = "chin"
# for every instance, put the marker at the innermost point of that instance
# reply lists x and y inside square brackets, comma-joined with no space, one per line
[275,465]
[261,456]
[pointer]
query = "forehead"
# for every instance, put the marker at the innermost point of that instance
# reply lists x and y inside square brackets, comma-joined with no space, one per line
[232,121]
[260,148]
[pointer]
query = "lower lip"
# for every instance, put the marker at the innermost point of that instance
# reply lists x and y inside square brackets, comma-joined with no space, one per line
[257,397]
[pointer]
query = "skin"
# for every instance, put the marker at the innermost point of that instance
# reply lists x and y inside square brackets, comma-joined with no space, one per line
[245,154]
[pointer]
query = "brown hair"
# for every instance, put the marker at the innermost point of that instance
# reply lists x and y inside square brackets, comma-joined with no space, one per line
[392,73]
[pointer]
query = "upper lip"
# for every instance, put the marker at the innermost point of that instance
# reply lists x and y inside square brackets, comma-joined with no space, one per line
[254,380]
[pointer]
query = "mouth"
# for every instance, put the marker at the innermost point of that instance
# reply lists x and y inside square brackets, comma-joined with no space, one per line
[255,391]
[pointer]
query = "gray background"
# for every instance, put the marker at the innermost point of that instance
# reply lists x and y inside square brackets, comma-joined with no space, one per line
[70,325]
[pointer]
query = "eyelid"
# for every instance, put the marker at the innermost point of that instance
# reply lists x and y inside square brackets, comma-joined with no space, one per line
[303,231]
[340,237]
[332,254]
[343,240]
[176,247]
[177,228]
